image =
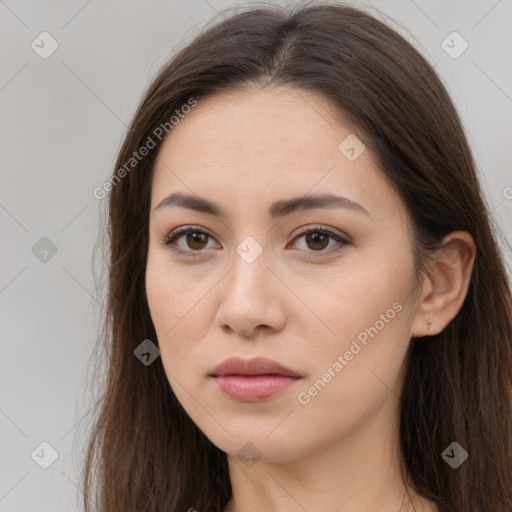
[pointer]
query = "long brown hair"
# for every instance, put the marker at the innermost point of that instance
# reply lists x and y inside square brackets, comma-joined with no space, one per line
[144,452]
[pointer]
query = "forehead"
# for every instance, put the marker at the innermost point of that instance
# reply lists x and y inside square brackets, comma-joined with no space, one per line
[265,145]
[268,122]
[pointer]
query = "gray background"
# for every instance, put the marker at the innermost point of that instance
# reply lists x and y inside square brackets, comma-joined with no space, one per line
[62,121]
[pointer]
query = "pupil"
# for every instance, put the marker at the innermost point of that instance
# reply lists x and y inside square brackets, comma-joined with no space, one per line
[193,238]
[315,239]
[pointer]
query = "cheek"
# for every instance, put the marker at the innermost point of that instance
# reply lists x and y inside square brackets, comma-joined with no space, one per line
[175,307]
[175,294]
[353,373]
[354,298]
[368,313]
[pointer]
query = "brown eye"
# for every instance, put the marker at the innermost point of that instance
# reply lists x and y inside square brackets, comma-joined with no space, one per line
[317,241]
[196,240]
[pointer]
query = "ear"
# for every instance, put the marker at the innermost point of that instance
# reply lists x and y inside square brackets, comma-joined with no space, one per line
[446,285]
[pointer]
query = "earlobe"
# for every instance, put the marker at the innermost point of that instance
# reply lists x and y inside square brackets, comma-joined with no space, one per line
[446,286]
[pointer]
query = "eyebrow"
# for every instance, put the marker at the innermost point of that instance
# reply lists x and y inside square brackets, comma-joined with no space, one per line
[277,209]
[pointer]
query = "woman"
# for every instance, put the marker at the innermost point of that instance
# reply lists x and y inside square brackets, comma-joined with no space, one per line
[307,306]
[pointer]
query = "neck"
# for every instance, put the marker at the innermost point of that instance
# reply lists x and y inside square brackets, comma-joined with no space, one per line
[360,473]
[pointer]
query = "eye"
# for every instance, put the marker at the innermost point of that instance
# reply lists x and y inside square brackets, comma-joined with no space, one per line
[318,238]
[195,240]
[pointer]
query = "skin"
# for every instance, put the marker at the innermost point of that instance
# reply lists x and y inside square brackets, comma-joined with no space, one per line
[246,149]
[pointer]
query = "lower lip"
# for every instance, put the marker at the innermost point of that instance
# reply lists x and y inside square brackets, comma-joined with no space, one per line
[253,388]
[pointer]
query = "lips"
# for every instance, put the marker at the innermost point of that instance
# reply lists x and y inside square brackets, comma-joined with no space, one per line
[252,380]
[255,366]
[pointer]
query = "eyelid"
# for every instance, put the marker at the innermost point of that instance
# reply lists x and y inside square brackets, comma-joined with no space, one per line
[319,227]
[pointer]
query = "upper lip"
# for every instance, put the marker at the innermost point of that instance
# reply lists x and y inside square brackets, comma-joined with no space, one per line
[254,366]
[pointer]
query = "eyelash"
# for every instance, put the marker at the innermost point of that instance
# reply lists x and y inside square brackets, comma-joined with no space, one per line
[178,233]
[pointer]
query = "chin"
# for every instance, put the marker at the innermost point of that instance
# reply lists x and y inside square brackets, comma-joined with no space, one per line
[256,440]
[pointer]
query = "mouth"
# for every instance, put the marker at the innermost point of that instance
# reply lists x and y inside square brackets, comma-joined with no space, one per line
[254,379]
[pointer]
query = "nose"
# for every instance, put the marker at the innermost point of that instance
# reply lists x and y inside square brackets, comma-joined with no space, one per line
[252,299]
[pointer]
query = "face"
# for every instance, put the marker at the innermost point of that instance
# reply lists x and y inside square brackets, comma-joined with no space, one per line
[324,290]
